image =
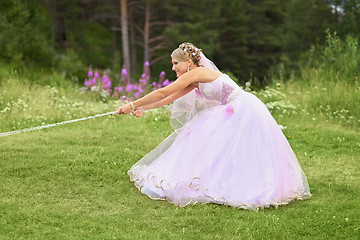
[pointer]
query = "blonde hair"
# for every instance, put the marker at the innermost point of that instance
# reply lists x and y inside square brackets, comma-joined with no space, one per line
[187,51]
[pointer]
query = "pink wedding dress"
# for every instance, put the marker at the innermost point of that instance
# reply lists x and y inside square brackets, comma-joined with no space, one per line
[226,149]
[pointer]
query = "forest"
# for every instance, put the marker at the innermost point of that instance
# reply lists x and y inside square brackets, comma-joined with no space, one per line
[251,39]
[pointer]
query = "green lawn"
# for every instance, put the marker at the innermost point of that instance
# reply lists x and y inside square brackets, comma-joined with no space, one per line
[70,182]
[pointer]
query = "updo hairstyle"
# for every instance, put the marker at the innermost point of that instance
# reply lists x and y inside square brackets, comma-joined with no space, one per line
[187,51]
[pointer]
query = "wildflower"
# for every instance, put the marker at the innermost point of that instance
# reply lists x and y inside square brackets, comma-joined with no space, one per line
[166,82]
[124,75]
[124,72]
[105,79]
[147,70]
[87,83]
[90,73]
[128,88]
[96,75]
[106,86]
[140,89]
[162,77]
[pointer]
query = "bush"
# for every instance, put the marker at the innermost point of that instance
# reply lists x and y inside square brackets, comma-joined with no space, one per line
[71,64]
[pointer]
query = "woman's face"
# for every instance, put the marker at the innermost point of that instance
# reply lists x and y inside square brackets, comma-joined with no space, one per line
[179,67]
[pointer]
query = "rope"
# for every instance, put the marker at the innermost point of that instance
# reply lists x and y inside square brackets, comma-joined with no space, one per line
[52,125]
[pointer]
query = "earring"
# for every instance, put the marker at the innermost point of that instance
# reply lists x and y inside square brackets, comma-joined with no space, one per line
[188,68]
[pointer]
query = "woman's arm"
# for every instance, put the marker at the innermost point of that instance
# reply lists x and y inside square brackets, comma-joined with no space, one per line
[158,95]
[169,99]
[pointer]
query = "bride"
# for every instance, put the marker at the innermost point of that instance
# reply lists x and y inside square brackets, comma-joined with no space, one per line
[226,147]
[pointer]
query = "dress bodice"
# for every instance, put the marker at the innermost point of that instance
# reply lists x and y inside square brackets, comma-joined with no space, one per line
[223,89]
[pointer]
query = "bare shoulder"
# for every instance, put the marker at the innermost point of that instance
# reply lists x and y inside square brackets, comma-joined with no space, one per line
[206,74]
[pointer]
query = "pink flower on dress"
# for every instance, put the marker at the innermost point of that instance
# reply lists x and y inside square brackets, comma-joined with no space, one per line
[197,91]
[229,110]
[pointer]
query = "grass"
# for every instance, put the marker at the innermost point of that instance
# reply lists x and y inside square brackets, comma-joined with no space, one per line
[70,182]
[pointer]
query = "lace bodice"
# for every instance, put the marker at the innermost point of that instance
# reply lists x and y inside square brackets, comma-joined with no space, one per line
[223,89]
[218,92]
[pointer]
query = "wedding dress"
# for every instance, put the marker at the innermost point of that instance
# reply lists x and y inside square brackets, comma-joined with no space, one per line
[226,149]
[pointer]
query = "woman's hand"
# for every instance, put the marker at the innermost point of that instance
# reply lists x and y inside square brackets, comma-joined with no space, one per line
[125,109]
[138,112]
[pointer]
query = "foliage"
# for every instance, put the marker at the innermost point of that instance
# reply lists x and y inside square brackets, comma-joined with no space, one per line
[126,90]
[247,38]
[328,85]
[22,38]
[71,64]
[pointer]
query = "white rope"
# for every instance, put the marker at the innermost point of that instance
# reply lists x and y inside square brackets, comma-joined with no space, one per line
[52,125]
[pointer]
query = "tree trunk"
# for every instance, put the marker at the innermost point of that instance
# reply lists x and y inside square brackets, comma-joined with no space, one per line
[83,23]
[115,40]
[53,22]
[147,32]
[132,42]
[125,36]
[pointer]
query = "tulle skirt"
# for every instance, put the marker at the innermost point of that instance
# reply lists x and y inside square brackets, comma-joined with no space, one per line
[233,154]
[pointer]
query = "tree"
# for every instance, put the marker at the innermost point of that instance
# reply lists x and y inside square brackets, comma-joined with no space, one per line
[233,29]
[125,36]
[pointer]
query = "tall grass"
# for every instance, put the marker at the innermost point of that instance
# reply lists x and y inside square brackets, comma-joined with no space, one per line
[24,102]
[328,87]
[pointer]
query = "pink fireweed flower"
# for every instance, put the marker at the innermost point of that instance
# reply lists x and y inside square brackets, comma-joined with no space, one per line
[96,75]
[106,86]
[105,79]
[154,84]
[229,110]
[90,73]
[124,72]
[146,70]
[93,82]
[166,82]
[129,88]
[87,83]
[124,75]
[119,89]
[162,77]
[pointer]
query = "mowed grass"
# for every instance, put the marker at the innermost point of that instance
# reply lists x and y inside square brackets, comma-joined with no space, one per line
[70,182]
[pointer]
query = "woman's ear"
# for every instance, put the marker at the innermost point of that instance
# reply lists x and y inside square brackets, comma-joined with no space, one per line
[189,62]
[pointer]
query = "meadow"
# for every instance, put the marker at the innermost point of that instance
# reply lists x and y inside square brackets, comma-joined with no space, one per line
[70,182]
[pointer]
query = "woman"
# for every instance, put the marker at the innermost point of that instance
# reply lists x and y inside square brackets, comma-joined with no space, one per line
[226,147]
